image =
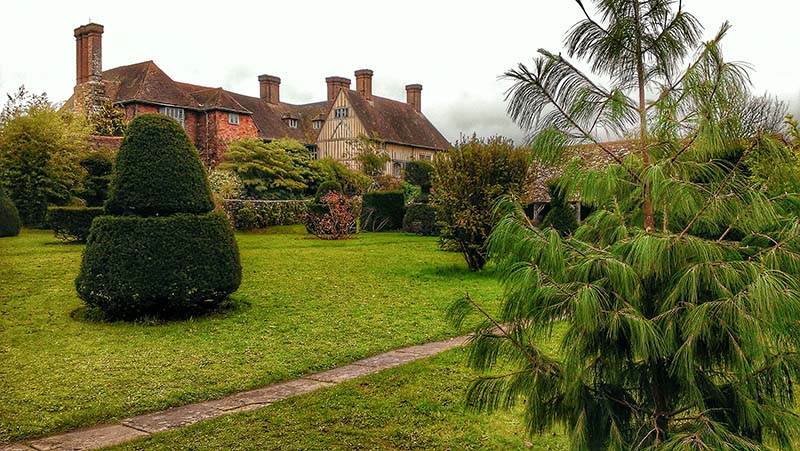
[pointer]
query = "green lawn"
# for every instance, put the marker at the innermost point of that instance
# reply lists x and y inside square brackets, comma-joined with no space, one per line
[305,305]
[414,407]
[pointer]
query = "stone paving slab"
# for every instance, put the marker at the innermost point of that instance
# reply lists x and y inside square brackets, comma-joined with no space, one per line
[178,417]
[344,373]
[431,349]
[16,447]
[144,425]
[85,439]
[388,360]
[279,392]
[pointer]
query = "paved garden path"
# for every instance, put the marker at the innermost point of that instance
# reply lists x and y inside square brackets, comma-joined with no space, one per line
[167,420]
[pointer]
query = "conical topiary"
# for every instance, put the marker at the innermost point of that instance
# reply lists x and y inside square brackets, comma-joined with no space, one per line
[160,249]
[9,216]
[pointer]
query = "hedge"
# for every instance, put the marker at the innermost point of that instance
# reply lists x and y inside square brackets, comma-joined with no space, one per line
[72,223]
[9,216]
[158,171]
[420,219]
[257,214]
[136,266]
[382,210]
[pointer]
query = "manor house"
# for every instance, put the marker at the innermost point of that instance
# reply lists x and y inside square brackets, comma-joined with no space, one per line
[212,117]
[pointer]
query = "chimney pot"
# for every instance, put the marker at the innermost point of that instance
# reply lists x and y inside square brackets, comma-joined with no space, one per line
[336,84]
[364,83]
[414,96]
[270,88]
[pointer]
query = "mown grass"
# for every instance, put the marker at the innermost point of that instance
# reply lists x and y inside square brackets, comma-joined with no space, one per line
[419,406]
[304,305]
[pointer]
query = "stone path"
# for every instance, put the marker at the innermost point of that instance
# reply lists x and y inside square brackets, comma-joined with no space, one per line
[143,425]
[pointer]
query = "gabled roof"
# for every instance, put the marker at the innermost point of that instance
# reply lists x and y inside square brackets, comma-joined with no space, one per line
[397,122]
[145,82]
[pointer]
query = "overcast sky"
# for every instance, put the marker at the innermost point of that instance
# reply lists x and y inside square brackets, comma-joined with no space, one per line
[455,49]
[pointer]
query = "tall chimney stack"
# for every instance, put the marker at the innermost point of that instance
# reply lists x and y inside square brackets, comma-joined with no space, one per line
[364,83]
[270,88]
[336,84]
[89,51]
[414,96]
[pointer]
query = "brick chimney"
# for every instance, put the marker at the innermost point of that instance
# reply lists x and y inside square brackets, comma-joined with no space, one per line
[270,88]
[89,92]
[335,84]
[89,46]
[364,83]
[414,96]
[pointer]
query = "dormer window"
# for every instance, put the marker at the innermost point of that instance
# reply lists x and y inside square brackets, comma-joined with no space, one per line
[340,112]
[317,124]
[292,123]
[233,118]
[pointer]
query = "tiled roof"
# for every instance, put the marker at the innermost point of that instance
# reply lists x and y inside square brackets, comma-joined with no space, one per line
[593,156]
[384,119]
[397,122]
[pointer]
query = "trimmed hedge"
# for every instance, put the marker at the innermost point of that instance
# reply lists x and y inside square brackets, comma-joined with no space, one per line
[382,210]
[9,216]
[158,171]
[72,223]
[257,214]
[419,173]
[136,266]
[98,167]
[420,219]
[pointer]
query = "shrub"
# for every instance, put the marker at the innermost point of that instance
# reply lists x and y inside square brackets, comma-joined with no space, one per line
[72,223]
[250,215]
[325,188]
[158,171]
[353,182]
[419,173]
[40,149]
[9,216]
[136,266]
[167,255]
[382,210]
[420,219]
[98,166]
[334,218]
[467,181]
[226,184]
[561,215]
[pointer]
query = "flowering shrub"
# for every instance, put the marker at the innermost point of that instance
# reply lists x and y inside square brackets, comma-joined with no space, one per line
[227,184]
[337,220]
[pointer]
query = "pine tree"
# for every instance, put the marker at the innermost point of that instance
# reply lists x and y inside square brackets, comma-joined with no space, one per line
[679,296]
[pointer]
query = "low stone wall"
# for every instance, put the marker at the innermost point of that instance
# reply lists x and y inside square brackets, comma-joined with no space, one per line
[247,214]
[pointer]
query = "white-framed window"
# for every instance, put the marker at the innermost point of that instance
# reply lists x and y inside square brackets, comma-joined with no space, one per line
[233,118]
[176,113]
[317,124]
[292,123]
[340,112]
[425,156]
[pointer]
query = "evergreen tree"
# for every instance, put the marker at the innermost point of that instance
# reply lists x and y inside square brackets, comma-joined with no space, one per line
[679,296]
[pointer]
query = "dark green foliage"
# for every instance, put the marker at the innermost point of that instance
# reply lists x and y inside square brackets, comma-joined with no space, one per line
[562,215]
[9,216]
[258,214]
[40,148]
[163,252]
[467,181]
[419,173]
[420,219]
[98,166]
[72,223]
[280,169]
[158,171]
[138,266]
[382,210]
[325,188]
[353,182]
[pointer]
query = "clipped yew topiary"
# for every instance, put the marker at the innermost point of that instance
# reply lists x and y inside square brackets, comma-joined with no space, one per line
[160,250]
[9,216]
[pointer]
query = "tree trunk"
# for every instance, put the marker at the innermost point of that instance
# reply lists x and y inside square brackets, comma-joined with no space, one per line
[649,216]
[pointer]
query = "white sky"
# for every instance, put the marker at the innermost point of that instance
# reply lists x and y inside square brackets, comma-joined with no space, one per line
[455,49]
